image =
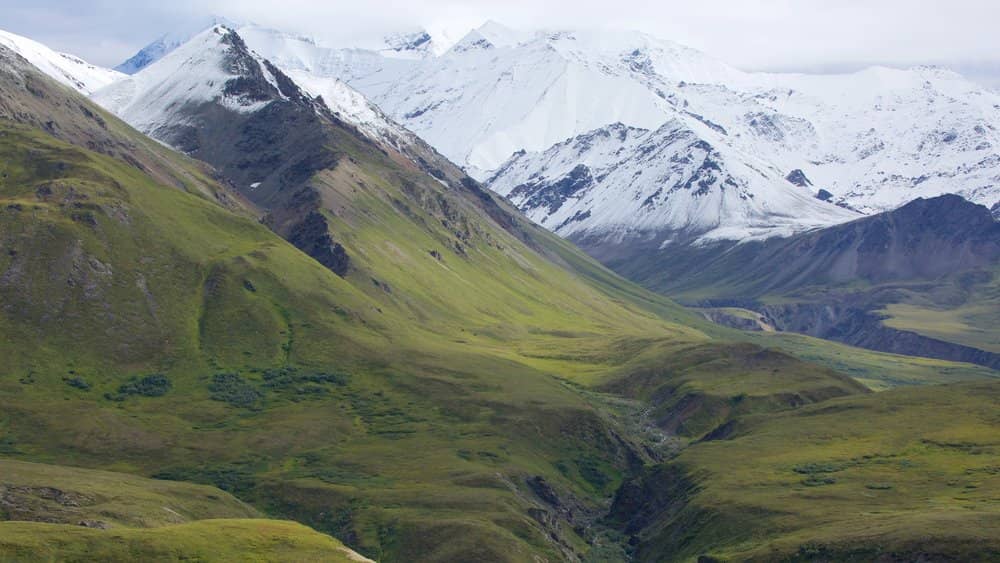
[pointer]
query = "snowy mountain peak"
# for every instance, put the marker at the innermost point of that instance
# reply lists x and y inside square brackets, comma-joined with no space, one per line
[213,67]
[869,140]
[415,44]
[67,69]
[218,69]
[166,43]
[473,41]
[669,183]
[501,35]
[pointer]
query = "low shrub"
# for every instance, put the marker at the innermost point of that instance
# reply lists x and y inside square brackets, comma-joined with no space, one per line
[155,385]
[231,388]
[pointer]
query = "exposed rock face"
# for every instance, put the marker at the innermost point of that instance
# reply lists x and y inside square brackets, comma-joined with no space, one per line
[798,177]
[551,196]
[312,236]
[858,326]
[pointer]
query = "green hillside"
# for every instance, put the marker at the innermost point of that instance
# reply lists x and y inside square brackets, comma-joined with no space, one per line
[206,540]
[53,513]
[904,475]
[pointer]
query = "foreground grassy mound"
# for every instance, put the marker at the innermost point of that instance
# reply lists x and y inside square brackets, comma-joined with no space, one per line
[58,513]
[57,494]
[206,540]
[908,474]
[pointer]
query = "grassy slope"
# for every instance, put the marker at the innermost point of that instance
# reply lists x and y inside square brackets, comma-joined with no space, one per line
[61,495]
[910,471]
[45,506]
[206,540]
[877,370]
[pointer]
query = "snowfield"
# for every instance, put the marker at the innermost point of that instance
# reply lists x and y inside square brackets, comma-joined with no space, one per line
[67,69]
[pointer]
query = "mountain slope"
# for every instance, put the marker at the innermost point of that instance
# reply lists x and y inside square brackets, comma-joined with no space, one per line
[413,400]
[67,69]
[133,309]
[863,459]
[31,99]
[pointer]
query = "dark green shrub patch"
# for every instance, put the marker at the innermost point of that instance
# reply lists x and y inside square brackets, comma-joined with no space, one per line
[77,383]
[233,389]
[155,385]
[234,479]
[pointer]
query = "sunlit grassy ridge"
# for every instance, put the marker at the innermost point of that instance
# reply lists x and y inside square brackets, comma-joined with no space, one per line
[55,513]
[877,370]
[205,540]
[911,472]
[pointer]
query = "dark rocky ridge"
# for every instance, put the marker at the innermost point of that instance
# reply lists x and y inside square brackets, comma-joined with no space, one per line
[268,155]
[312,236]
[925,241]
[553,195]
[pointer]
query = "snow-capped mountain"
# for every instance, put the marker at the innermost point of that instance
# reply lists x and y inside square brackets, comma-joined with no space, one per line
[204,70]
[67,69]
[215,81]
[870,140]
[166,43]
[291,52]
[874,139]
[670,183]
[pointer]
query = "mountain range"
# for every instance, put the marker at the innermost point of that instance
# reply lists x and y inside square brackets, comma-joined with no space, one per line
[514,109]
[242,277]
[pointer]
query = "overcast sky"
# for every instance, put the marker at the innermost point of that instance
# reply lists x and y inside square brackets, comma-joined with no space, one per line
[805,35]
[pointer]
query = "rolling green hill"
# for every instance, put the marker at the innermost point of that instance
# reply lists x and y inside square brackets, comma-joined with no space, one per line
[68,514]
[905,475]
